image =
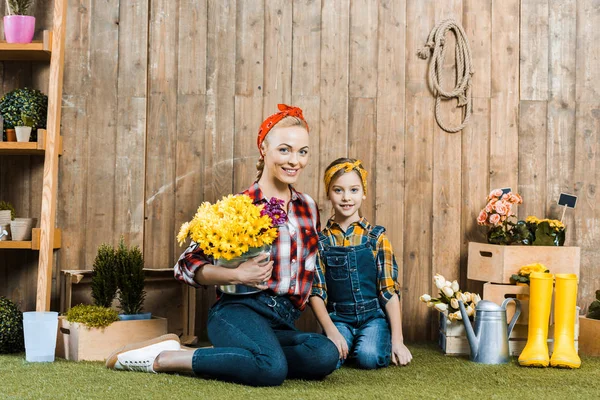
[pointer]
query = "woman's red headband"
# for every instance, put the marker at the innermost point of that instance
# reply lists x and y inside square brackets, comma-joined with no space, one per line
[270,122]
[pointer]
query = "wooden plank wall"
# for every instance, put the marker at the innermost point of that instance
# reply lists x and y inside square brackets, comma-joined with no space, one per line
[162,101]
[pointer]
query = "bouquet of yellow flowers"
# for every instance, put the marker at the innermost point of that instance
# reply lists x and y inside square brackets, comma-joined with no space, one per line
[526,270]
[233,226]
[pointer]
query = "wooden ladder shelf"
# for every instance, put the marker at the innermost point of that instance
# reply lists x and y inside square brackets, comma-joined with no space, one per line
[47,238]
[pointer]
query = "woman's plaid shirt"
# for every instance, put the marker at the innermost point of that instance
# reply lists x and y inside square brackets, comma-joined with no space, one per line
[294,252]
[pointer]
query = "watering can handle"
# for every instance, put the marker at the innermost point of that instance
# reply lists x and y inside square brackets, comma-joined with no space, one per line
[513,321]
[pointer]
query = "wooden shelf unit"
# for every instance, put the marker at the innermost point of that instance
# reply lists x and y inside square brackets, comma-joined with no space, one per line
[40,50]
[28,148]
[34,243]
[47,237]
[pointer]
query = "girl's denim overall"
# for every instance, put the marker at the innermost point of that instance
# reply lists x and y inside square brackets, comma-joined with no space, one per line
[351,277]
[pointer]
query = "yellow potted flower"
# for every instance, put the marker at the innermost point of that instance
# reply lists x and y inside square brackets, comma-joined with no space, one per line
[234,230]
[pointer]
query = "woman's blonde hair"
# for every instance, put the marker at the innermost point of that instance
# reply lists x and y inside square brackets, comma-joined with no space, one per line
[286,122]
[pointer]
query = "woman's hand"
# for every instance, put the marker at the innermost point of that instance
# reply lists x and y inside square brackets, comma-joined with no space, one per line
[400,353]
[340,342]
[254,272]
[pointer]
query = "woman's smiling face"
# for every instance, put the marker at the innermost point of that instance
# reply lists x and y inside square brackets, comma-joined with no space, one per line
[285,151]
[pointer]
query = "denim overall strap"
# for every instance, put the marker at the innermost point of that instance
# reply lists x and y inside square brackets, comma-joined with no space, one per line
[351,274]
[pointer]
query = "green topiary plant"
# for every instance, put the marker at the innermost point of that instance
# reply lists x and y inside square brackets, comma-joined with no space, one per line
[11,327]
[18,7]
[24,102]
[104,283]
[5,205]
[130,278]
[92,316]
[594,310]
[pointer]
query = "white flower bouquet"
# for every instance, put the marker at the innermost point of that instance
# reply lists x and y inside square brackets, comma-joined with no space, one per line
[449,295]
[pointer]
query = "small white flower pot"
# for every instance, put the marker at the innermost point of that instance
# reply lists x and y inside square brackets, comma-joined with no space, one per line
[21,228]
[23,133]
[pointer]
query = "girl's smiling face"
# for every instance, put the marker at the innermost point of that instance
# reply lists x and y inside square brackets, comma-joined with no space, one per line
[346,195]
[285,151]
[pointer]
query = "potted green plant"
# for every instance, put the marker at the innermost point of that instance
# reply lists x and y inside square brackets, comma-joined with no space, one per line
[23,130]
[24,102]
[94,332]
[104,283]
[18,25]
[11,327]
[129,274]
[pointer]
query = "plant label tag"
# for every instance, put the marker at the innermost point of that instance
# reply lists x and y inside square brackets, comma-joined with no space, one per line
[568,200]
[506,190]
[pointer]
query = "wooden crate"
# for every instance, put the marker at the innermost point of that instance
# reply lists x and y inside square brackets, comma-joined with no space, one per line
[76,342]
[453,338]
[589,336]
[495,263]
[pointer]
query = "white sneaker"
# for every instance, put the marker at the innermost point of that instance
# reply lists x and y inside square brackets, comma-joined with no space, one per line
[140,356]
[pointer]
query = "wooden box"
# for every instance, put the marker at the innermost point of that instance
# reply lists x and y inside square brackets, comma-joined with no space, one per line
[453,338]
[589,336]
[77,342]
[495,263]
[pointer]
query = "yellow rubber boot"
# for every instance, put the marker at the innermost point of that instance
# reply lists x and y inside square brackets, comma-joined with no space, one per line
[565,355]
[535,353]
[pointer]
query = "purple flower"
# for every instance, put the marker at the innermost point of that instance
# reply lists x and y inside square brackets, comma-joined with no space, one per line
[274,209]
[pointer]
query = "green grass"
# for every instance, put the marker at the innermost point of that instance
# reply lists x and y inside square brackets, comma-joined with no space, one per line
[430,376]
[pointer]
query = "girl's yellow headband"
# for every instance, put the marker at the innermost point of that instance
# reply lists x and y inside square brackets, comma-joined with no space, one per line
[347,167]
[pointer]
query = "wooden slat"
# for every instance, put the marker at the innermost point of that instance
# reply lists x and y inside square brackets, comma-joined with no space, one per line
[218,173]
[477,22]
[333,129]
[388,170]
[505,95]
[418,173]
[362,125]
[161,134]
[130,168]
[277,55]
[50,186]
[191,117]
[306,80]
[534,49]
[446,157]
[532,158]
[248,89]
[561,107]
[363,48]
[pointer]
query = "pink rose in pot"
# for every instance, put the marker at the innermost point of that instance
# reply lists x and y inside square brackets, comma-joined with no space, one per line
[482,217]
[500,208]
[494,219]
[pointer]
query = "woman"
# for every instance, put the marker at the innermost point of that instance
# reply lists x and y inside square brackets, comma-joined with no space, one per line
[254,338]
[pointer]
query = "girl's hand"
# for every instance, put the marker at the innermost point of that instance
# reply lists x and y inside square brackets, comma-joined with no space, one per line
[340,342]
[254,273]
[400,353]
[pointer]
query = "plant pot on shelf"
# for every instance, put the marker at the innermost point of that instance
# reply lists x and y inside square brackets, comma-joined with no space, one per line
[5,217]
[19,28]
[21,228]
[11,135]
[23,133]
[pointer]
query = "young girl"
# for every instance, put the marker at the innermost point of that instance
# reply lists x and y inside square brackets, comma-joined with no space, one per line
[356,276]
[254,338]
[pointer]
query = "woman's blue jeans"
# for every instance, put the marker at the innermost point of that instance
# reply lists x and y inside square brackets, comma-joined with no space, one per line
[255,343]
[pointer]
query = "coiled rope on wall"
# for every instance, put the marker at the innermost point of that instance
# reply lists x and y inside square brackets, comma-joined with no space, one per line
[464,69]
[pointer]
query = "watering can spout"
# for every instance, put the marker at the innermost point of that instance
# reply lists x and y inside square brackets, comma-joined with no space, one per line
[471,337]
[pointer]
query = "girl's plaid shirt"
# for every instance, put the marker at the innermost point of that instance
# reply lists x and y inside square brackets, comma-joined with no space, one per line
[294,252]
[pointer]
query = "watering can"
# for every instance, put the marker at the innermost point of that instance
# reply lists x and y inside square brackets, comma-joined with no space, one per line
[489,339]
